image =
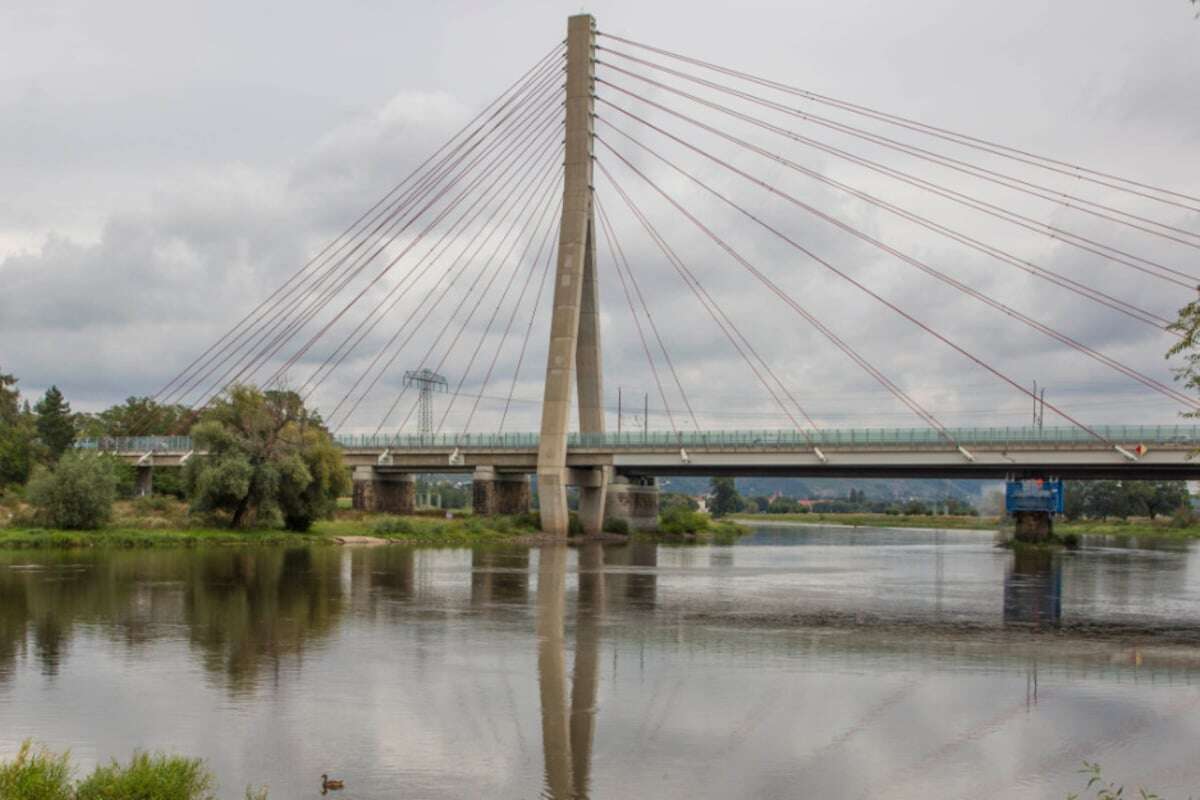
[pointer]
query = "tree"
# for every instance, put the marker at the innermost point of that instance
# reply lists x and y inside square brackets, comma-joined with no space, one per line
[77,494]
[55,426]
[725,497]
[265,457]
[16,434]
[139,416]
[1167,497]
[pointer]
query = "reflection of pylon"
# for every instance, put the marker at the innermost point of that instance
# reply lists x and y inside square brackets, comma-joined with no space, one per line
[428,382]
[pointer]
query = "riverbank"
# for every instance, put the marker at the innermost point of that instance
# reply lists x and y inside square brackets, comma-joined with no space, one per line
[164,523]
[1161,528]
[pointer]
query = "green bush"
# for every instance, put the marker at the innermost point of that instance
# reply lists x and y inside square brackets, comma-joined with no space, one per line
[149,777]
[616,525]
[36,776]
[77,494]
[574,525]
[393,525]
[154,504]
[677,521]
[531,520]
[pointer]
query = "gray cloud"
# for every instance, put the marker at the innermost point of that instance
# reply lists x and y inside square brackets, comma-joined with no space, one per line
[161,190]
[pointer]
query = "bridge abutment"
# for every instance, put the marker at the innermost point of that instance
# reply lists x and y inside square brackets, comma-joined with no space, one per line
[384,492]
[633,500]
[500,492]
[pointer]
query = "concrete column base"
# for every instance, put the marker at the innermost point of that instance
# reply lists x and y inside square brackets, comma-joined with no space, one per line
[593,495]
[636,503]
[144,485]
[384,492]
[1033,526]
[500,493]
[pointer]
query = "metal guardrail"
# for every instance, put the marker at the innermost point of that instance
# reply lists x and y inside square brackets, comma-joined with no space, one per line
[1149,435]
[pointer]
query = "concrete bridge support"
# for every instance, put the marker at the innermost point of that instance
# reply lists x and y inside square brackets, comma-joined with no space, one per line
[1033,526]
[384,492]
[573,359]
[144,484]
[500,492]
[635,501]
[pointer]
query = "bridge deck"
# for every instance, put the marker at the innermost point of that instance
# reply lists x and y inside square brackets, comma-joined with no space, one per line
[908,452]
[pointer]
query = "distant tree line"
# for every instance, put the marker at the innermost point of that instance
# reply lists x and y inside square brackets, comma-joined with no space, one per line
[1104,499]
[724,498]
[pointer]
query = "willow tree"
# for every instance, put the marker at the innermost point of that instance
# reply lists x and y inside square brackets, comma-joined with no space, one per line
[265,457]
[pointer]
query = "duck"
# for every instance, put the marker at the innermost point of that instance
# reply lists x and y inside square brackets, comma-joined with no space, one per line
[328,785]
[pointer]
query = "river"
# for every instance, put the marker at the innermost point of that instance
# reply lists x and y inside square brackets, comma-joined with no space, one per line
[799,662]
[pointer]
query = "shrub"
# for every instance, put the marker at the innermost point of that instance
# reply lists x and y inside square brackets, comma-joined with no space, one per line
[530,519]
[574,525]
[393,525]
[153,777]
[1183,517]
[616,525]
[153,504]
[77,494]
[678,521]
[35,776]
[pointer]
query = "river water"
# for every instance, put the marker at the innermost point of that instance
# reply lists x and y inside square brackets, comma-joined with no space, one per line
[799,662]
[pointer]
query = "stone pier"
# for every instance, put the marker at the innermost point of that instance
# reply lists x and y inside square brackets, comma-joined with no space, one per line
[144,485]
[384,492]
[633,500]
[500,492]
[1033,526]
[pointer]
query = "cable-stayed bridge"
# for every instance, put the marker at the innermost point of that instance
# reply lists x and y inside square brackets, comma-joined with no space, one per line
[487,256]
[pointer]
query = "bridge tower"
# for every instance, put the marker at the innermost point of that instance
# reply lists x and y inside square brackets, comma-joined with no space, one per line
[574,355]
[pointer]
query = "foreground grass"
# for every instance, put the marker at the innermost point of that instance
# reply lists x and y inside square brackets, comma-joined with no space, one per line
[43,775]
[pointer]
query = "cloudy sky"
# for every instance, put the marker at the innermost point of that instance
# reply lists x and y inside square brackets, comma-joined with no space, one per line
[168,165]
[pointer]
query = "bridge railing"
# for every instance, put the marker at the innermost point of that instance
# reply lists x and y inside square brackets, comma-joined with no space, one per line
[1149,435]
[137,444]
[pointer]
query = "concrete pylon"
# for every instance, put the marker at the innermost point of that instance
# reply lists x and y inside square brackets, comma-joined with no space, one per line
[574,355]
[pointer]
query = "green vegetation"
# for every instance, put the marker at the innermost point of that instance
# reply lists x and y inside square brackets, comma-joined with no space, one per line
[42,775]
[76,494]
[682,523]
[1101,789]
[55,426]
[725,497]
[39,775]
[266,458]
[617,526]
[17,434]
[1104,499]
[153,777]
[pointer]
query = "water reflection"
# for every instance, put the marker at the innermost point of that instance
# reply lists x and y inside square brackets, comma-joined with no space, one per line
[568,731]
[914,665]
[1033,589]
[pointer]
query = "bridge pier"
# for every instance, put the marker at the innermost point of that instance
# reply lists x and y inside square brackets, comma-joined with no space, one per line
[634,500]
[144,482]
[500,492]
[384,492]
[1033,526]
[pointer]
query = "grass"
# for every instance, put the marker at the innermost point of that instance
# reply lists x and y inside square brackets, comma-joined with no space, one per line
[43,775]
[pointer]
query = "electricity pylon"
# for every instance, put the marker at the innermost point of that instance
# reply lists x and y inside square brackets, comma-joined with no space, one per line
[428,382]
